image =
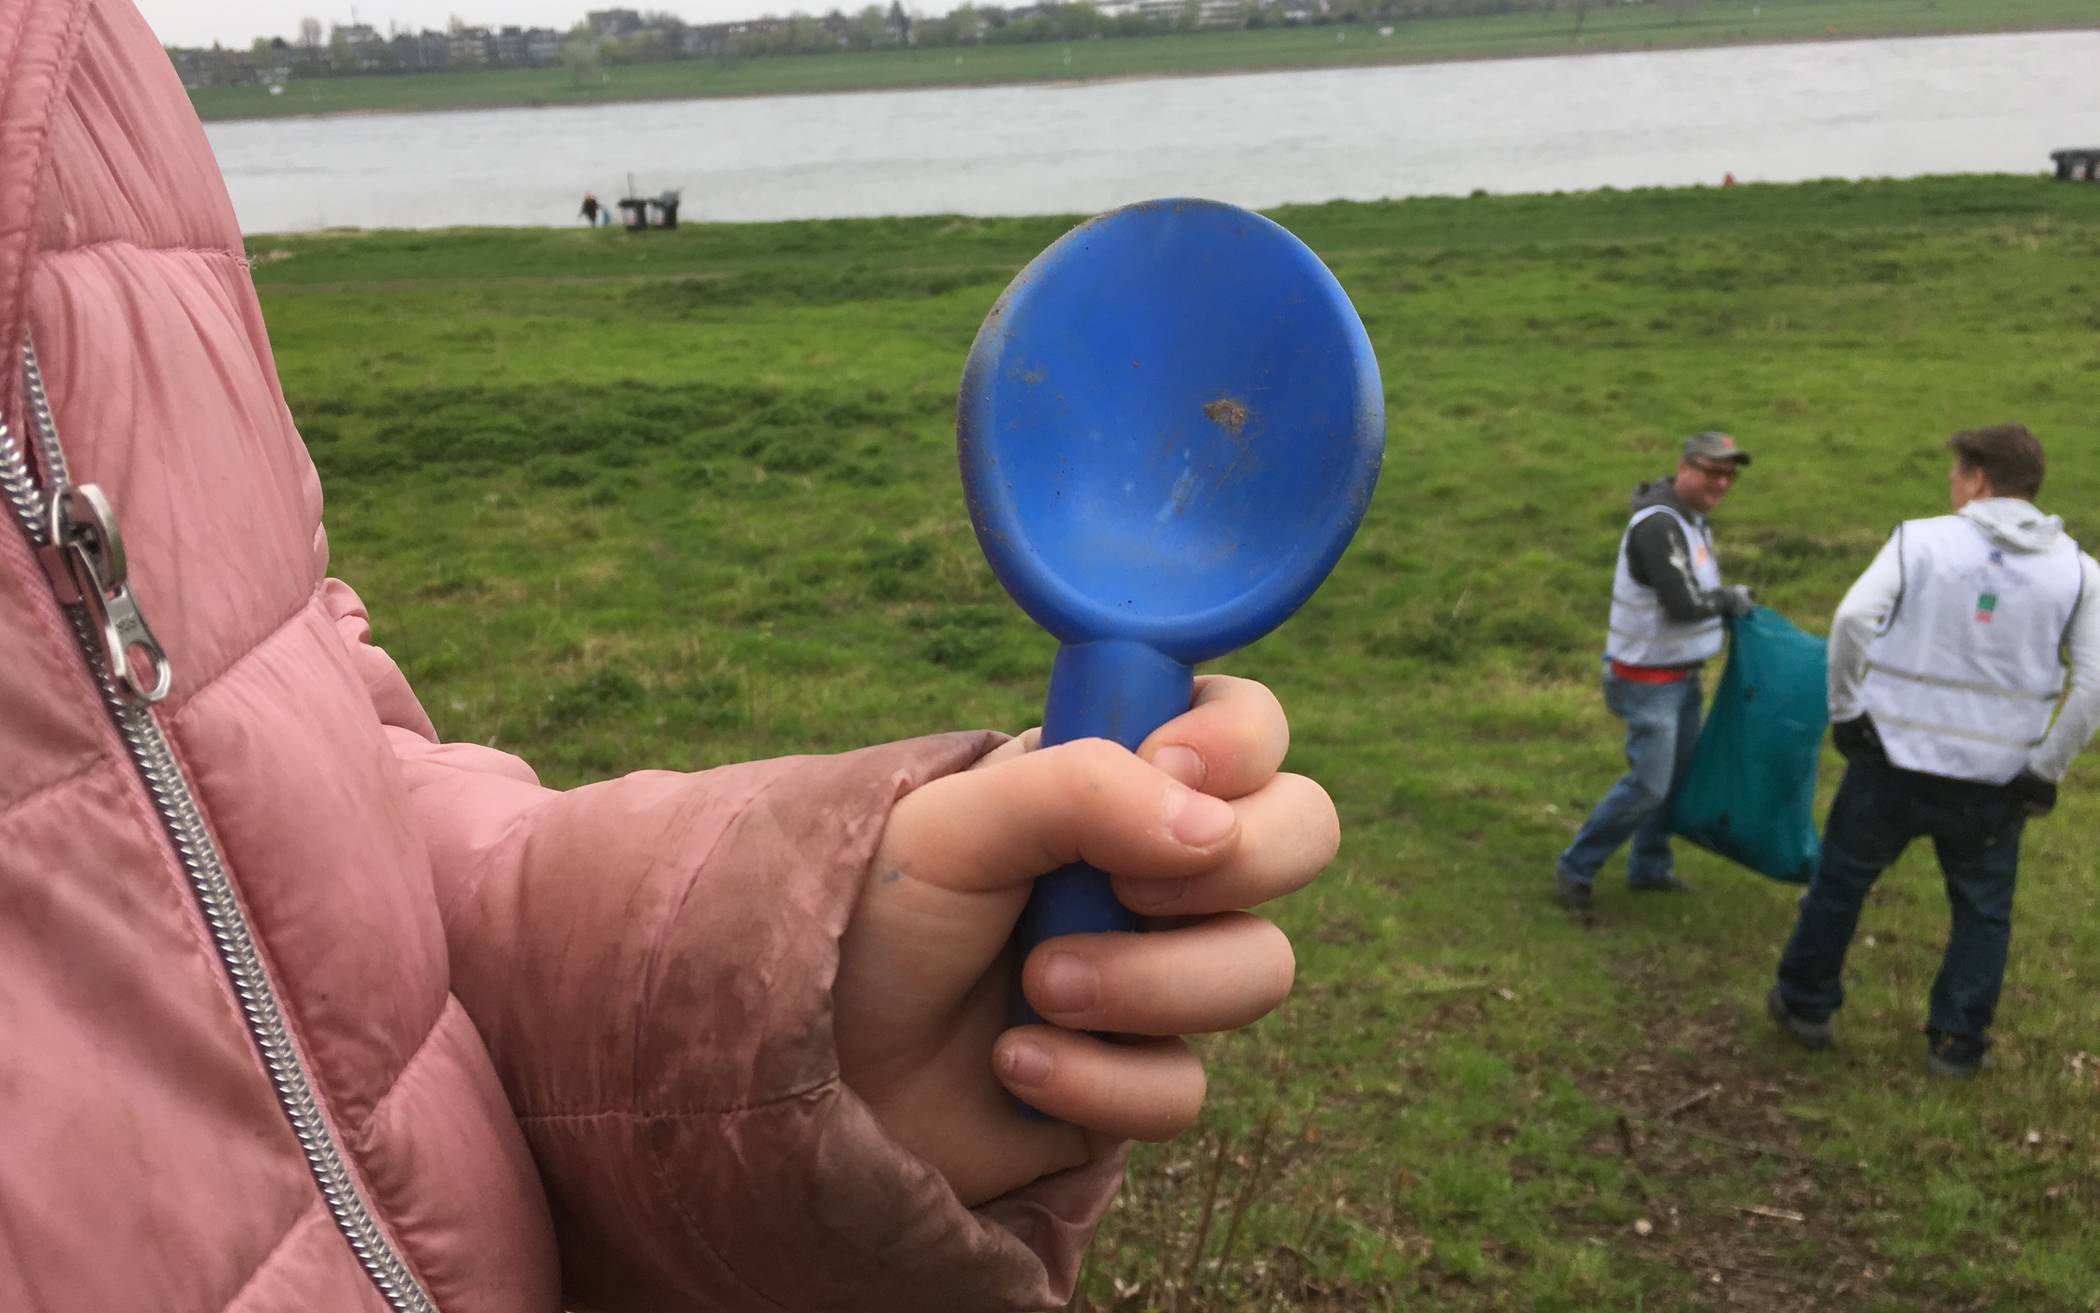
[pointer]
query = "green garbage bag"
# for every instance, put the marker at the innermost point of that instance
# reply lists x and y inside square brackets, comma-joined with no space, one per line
[1750,794]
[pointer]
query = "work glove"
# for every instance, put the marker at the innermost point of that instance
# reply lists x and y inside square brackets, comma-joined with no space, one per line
[1734,601]
[1857,740]
[2031,794]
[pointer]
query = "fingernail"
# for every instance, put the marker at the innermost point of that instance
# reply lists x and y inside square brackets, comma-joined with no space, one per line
[1068,984]
[1184,764]
[1148,894]
[1197,819]
[1023,1063]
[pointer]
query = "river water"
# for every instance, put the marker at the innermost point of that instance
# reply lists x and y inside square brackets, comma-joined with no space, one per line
[1897,108]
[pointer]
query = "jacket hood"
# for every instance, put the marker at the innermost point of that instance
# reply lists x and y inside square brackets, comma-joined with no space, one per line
[2015,525]
[1662,492]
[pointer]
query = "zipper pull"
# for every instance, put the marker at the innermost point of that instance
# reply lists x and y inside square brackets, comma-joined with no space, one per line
[90,551]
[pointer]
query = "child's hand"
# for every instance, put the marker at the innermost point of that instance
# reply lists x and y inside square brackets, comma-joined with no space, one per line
[924,974]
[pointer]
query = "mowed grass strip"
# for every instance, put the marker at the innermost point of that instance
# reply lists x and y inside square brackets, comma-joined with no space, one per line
[1660,24]
[691,498]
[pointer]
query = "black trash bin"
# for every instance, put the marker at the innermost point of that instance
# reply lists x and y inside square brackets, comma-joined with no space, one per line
[634,212]
[666,207]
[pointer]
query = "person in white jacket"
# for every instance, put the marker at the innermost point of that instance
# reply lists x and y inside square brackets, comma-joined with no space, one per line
[1950,704]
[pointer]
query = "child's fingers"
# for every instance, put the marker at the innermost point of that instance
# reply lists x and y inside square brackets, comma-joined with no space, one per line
[1149,1090]
[1218,974]
[1025,741]
[1288,834]
[1228,743]
[1088,801]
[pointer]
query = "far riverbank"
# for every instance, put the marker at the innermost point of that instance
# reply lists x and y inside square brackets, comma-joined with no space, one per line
[1614,30]
[1771,113]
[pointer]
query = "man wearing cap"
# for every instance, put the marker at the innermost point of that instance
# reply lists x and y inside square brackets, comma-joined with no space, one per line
[1667,605]
[1946,666]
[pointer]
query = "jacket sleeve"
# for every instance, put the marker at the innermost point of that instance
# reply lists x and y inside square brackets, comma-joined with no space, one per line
[1865,611]
[649,961]
[1658,556]
[2080,713]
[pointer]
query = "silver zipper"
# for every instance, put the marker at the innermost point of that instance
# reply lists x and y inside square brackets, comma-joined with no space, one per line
[73,530]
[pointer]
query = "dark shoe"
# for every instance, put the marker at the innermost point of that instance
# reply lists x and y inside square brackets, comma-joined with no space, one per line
[1808,1034]
[1570,892]
[1949,1069]
[1951,1060]
[1669,884]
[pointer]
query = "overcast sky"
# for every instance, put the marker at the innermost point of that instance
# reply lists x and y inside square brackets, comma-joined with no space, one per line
[238,22]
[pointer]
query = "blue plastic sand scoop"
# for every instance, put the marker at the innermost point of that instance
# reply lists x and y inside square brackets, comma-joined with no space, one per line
[1169,426]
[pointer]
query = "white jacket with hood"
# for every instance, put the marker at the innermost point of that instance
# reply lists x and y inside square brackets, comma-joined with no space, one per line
[1956,638]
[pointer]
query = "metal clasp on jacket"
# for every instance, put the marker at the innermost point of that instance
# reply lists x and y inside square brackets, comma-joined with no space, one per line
[89,559]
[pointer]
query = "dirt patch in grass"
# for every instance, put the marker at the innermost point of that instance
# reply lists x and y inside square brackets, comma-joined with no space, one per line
[1731,1190]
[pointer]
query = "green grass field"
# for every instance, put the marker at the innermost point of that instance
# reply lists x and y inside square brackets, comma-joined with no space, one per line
[1622,27]
[686,498]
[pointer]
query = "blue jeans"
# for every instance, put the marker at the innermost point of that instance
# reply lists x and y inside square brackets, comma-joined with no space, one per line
[1975,830]
[1662,728]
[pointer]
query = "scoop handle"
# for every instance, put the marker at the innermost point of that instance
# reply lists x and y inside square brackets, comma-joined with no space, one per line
[1113,689]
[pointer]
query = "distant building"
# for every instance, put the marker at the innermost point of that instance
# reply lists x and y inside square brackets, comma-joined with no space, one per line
[710,39]
[1209,13]
[522,47]
[467,46]
[214,68]
[543,45]
[422,50]
[613,22]
[506,45]
[274,64]
[355,46]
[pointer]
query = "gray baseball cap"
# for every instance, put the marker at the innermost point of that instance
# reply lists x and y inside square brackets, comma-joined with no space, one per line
[1714,445]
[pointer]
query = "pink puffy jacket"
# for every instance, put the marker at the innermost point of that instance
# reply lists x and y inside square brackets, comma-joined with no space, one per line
[301,1008]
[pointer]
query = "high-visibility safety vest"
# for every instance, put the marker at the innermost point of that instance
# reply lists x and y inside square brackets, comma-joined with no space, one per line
[1968,668]
[1641,631]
